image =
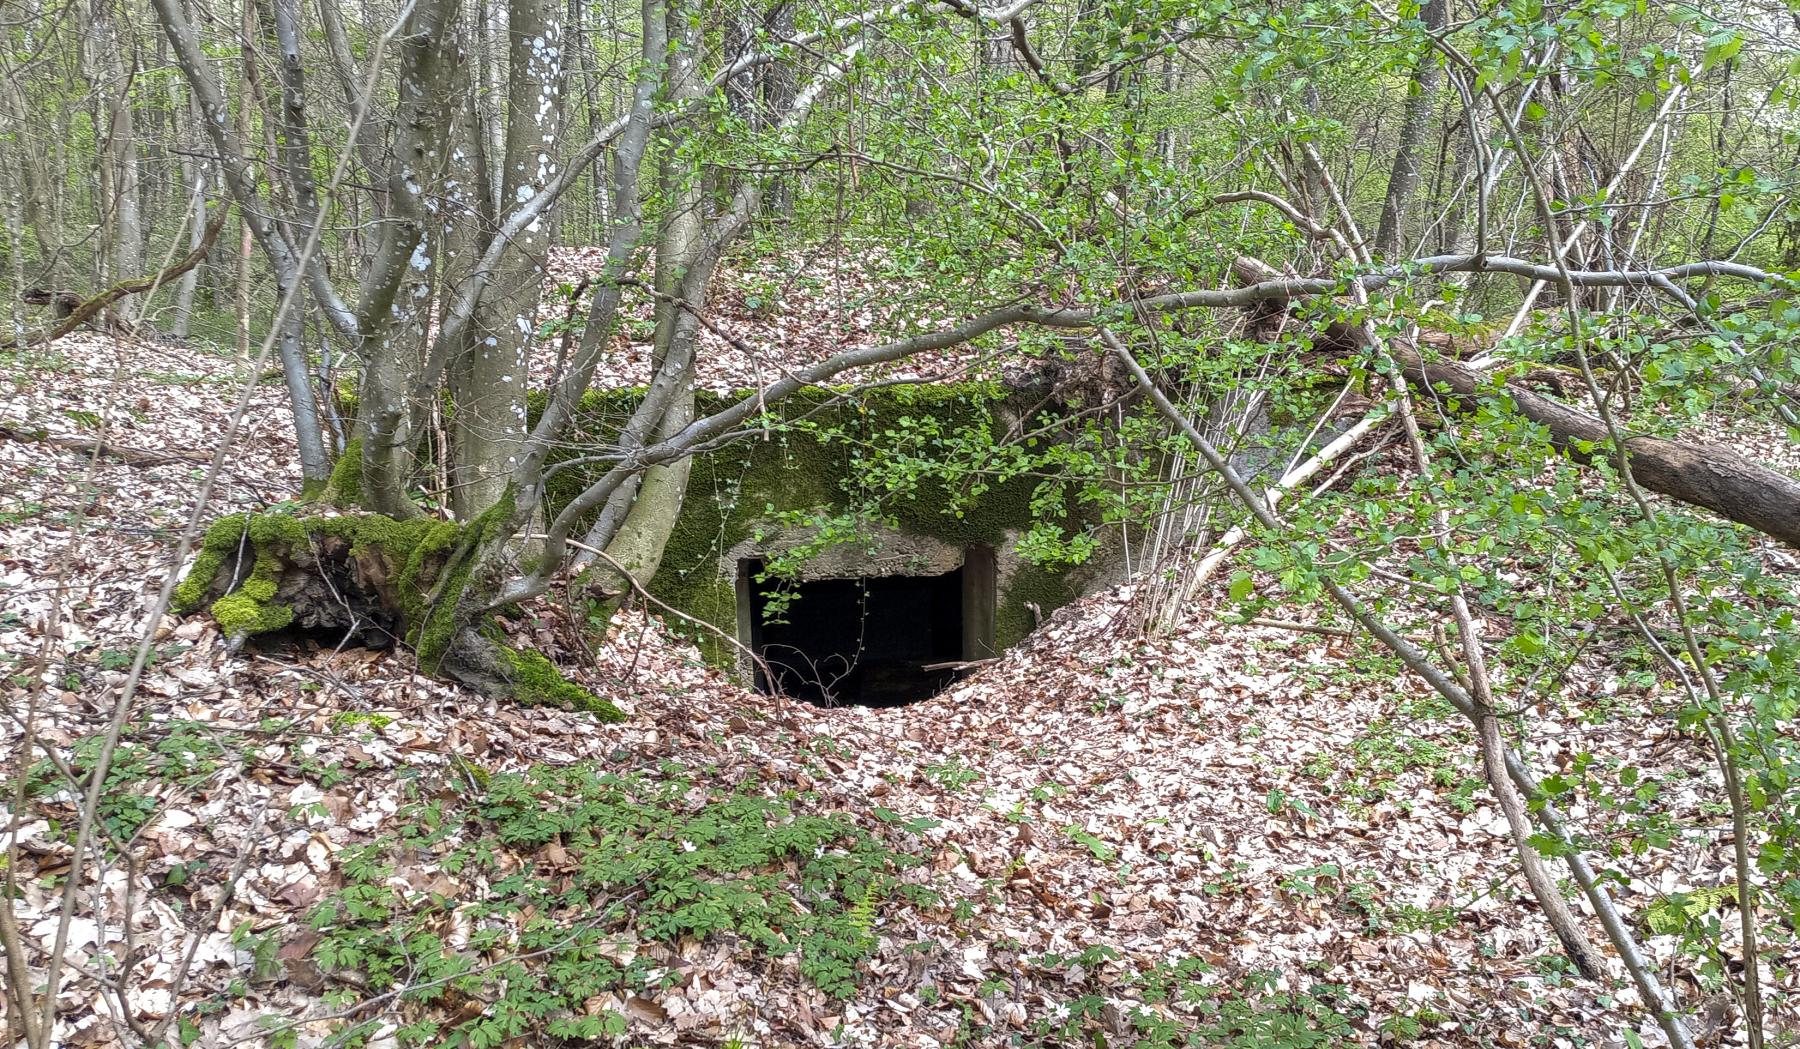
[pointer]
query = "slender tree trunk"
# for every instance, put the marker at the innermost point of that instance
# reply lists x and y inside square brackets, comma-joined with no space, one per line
[315,459]
[489,385]
[645,513]
[398,285]
[1481,715]
[491,50]
[15,229]
[193,178]
[241,291]
[127,190]
[1415,129]
[246,236]
[35,199]
[779,87]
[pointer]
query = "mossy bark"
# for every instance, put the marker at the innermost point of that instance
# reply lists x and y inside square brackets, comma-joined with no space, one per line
[344,489]
[376,582]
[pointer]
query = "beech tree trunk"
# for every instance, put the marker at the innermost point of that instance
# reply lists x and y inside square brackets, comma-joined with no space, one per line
[193,178]
[655,501]
[489,383]
[1415,121]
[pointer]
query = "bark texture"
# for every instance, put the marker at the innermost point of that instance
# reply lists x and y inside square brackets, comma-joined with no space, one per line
[370,581]
[1710,476]
[1415,123]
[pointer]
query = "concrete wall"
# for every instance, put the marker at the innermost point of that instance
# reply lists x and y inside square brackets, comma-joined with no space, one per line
[826,485]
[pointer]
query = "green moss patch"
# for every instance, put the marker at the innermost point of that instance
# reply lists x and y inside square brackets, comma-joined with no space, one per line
[276,542]
[428,564]
[536,682]
[437,625]
[241,613]
[345,487]
[224,537]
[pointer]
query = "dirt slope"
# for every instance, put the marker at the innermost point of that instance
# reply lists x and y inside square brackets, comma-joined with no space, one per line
[1233,832]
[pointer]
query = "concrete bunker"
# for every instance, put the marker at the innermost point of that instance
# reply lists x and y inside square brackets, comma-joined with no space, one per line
[819,498]
[867,640]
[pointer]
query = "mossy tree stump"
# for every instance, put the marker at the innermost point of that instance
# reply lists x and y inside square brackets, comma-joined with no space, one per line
[375,582]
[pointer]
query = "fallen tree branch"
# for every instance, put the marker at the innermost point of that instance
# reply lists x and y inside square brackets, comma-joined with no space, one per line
[960,664]
[1300,628]
[94,446]
[701,432]
[1709,476]
[1297,476]
[84,312]
[1705,475]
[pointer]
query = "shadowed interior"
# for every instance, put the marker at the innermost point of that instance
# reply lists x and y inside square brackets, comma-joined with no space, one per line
[875,641]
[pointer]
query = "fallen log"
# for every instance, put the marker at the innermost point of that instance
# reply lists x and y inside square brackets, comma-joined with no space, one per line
[90,446]
[1710,476]
[71,312]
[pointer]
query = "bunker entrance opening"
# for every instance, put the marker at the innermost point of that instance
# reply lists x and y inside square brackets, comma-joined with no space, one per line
[873,641]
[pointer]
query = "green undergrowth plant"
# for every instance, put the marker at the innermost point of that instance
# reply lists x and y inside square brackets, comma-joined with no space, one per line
[152,760]
[564,879]
[1189,1003]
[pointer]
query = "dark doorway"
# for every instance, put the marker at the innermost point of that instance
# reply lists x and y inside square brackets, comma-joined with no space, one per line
[874,641]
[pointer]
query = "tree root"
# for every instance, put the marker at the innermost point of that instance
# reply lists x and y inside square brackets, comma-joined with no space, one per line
[373,582]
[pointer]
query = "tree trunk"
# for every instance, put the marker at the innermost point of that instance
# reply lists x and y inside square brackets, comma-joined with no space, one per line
[779,88]
[1415,123]
[127,192]
[121,254]
[193,177]
[315,459]
[370,581]
[35,203]
[651,507]
[489,386]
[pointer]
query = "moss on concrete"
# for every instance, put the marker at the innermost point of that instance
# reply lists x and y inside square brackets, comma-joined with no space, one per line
[811,465]
[1029,586]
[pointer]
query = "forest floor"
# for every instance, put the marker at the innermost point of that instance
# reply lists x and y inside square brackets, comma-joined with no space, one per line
[1229,834]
